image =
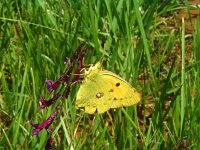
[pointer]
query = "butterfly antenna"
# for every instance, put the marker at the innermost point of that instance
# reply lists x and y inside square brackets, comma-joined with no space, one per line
[103,54]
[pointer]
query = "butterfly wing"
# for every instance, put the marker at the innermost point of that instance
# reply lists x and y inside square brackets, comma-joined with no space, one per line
[104,91]
[91,96]
[123,94]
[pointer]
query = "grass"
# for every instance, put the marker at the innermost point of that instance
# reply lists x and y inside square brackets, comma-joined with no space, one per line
[145,43]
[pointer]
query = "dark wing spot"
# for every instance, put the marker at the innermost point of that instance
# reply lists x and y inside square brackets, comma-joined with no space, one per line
[82,108]
[117,84]
[111,90]
[99,95]
[115,98]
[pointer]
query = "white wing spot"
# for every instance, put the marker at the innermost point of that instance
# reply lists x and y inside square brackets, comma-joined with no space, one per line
[99,95]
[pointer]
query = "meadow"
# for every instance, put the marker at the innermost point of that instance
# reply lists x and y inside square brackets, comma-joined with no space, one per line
[154,45]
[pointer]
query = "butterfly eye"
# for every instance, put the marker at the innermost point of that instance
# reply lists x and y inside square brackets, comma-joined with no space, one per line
[118,84]
[99,95]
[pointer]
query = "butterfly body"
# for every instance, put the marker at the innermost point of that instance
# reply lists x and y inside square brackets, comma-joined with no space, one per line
[102,90]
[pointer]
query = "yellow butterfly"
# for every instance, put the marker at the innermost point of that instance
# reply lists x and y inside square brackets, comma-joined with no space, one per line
[102,90]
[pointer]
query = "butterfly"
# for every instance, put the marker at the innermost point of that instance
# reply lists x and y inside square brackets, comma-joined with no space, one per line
[101,90]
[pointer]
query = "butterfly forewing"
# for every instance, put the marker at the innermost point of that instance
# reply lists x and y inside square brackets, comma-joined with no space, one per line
[122,92]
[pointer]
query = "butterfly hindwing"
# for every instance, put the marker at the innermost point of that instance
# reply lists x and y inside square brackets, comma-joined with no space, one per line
[91,96]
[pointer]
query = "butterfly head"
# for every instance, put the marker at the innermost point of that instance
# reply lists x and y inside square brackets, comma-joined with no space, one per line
[94,69]
[97,66]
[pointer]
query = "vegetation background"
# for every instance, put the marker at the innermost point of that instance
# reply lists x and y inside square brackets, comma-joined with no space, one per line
[155,45]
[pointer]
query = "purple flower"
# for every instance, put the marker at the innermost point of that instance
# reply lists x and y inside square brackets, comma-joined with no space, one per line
[52,85]
[46,103]
[45,124]
[74,64]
